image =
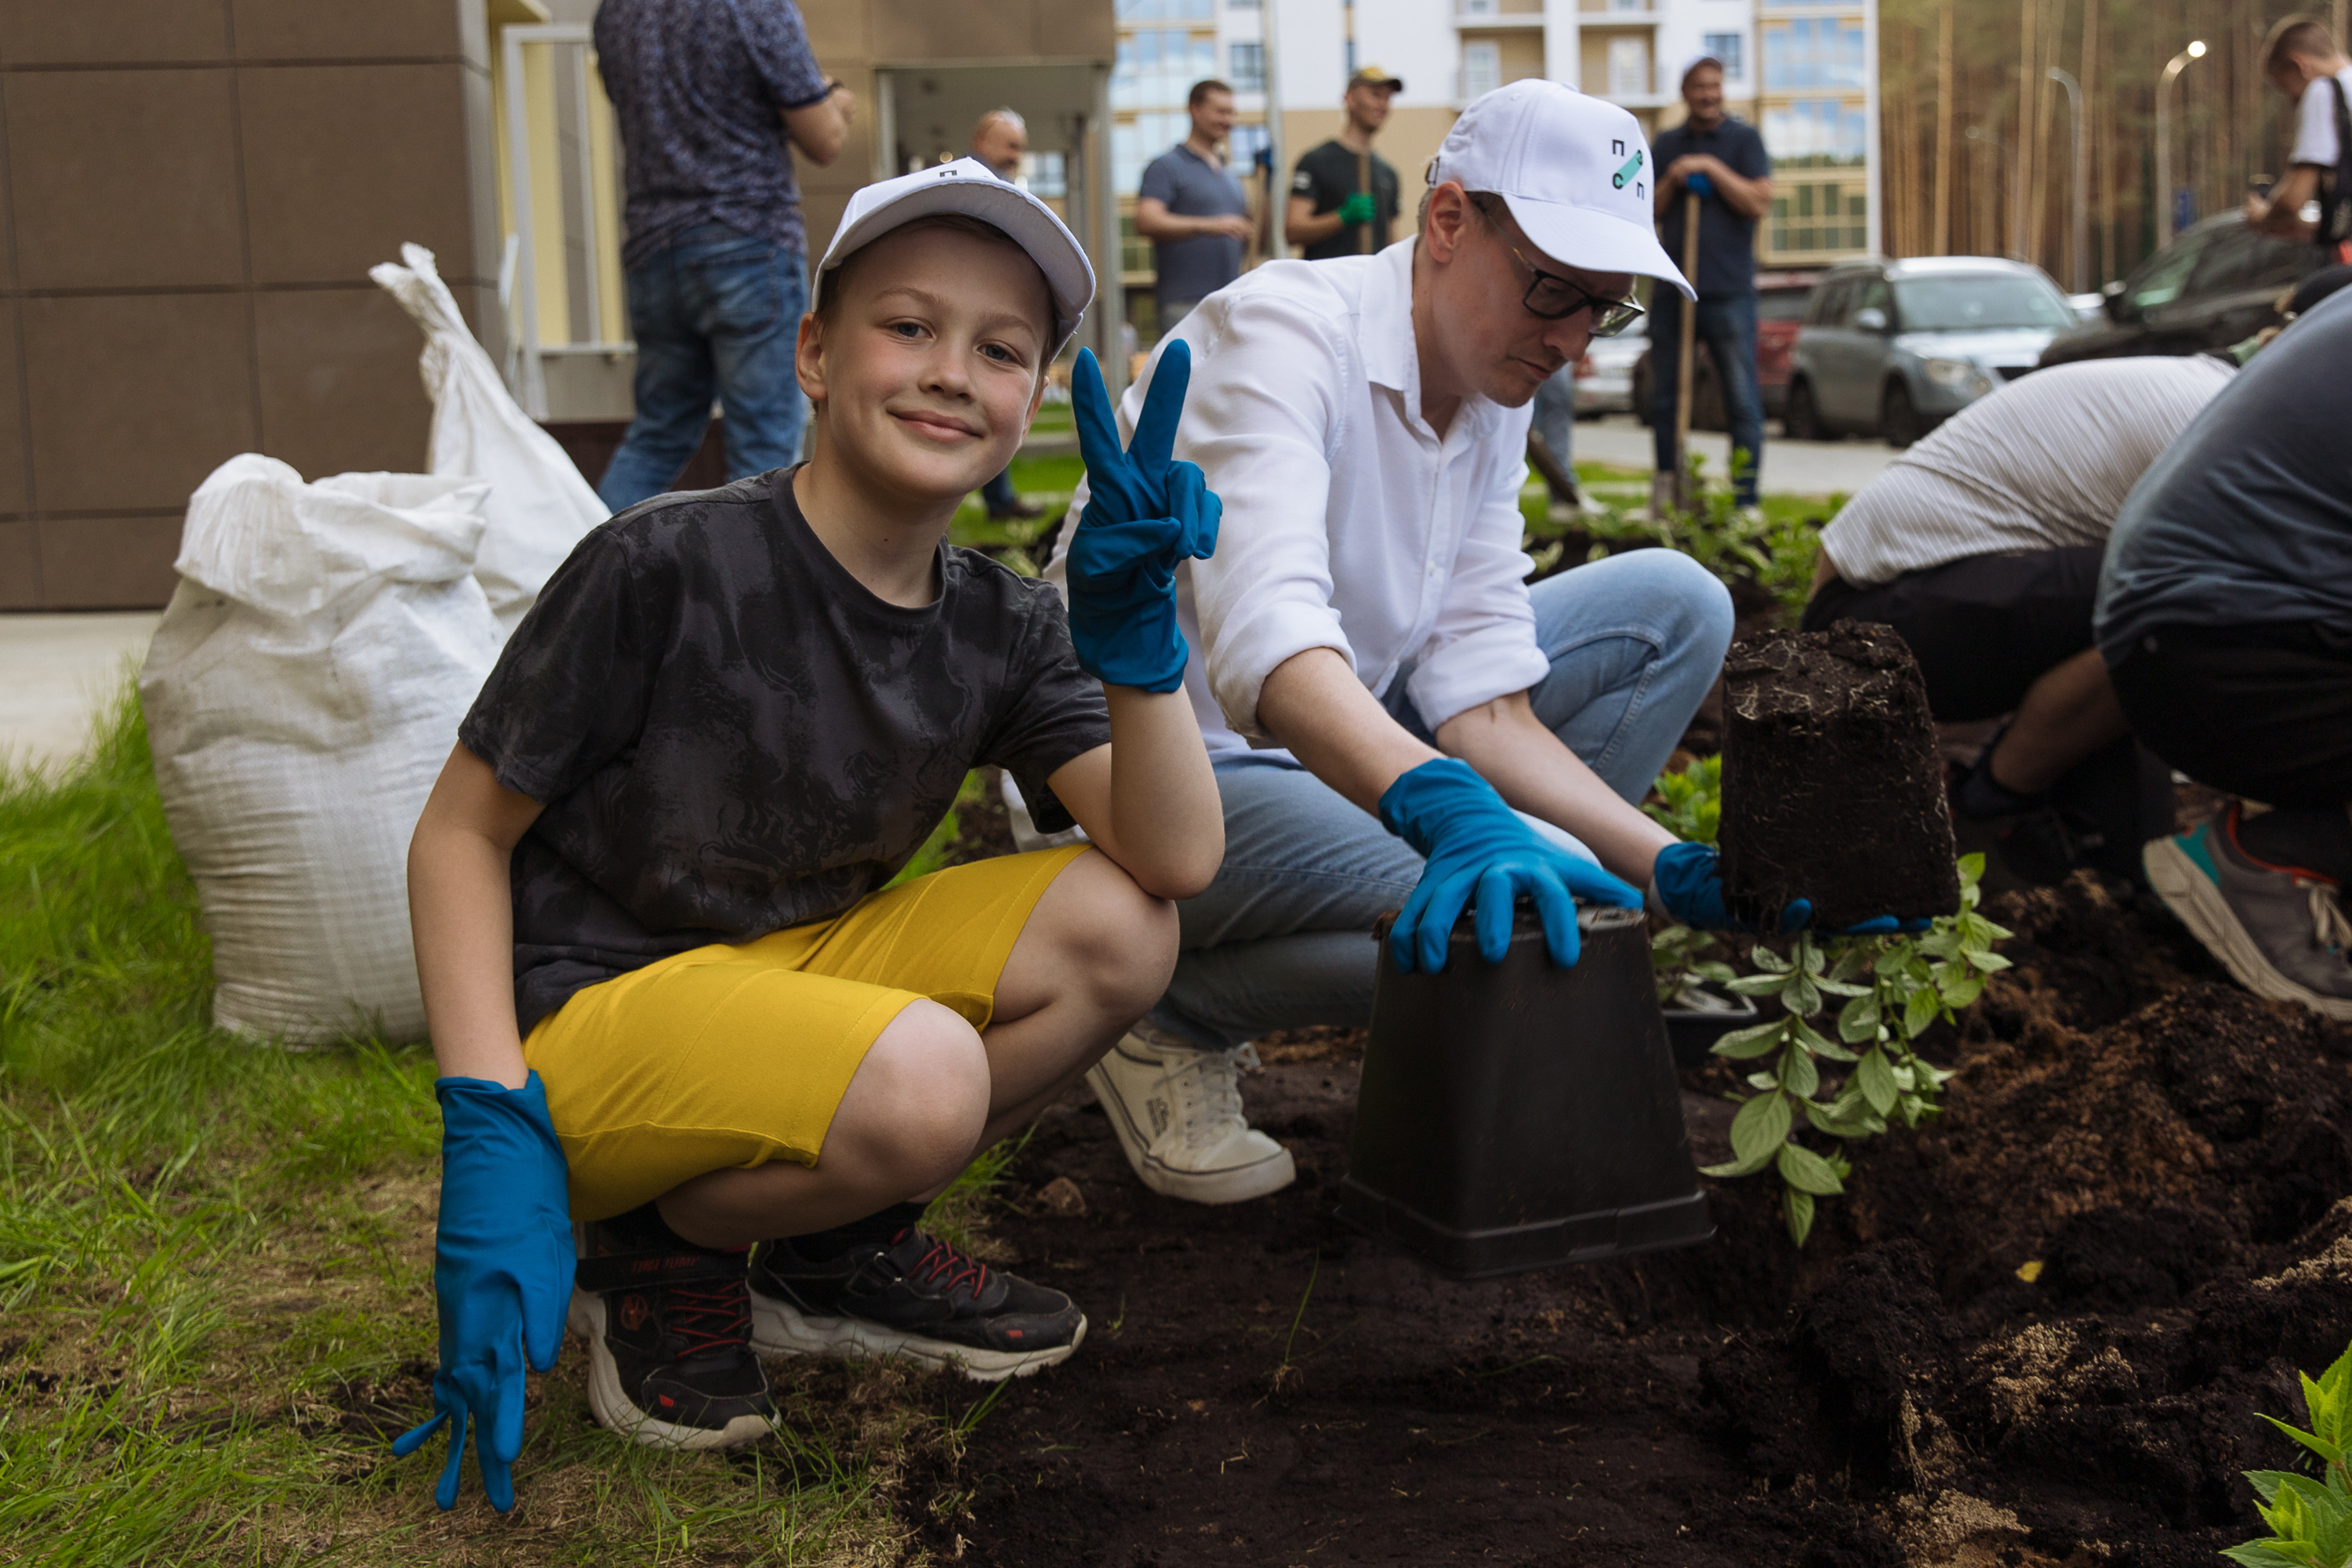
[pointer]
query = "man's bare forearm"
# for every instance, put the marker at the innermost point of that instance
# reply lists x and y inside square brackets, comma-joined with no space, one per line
[461,912]
[1535,773]
[1314,704]
[1303,226]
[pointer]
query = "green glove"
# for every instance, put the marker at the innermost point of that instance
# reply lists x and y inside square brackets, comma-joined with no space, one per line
[1357,209]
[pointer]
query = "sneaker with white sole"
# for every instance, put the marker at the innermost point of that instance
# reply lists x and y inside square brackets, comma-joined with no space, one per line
[2280,930]
[912,1296]
[669,1363]
[1178,1113]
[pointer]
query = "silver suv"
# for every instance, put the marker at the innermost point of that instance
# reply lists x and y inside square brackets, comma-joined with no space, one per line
[1895,348]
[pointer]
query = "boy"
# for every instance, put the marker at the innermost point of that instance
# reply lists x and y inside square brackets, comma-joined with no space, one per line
[657,962]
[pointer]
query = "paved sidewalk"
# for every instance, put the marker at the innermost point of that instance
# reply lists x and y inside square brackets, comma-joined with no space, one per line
[58,668]
[1791,467]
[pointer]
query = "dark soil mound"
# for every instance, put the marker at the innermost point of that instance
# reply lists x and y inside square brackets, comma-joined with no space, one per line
[2038,1332]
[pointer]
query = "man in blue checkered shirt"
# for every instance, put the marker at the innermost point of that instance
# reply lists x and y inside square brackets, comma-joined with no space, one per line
[711,97]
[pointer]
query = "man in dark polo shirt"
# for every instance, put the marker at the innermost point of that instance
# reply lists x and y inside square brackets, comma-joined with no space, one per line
[711,97]
[1329,204]
[1724,161]
[1192,209]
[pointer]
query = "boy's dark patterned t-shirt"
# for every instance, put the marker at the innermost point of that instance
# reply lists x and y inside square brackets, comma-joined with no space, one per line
[731,735]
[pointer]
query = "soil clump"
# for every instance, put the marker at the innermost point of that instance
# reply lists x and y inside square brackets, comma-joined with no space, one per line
[1833,788]
[2036,1331]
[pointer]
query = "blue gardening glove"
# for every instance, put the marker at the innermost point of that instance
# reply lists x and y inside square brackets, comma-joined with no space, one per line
[501,1272]
[1145,513]
[1473,841]
[1698,184]
[1688,881]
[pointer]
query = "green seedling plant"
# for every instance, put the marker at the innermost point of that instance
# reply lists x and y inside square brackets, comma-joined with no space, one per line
[1893,989]
[2310,1520]
[1690,803]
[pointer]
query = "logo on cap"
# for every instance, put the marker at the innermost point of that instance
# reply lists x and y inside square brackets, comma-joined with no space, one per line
[1631,167]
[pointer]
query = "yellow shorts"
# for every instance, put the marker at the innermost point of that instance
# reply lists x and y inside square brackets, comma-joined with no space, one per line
[729,1057]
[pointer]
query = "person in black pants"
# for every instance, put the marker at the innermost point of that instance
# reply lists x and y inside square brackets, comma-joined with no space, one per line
[2225,621]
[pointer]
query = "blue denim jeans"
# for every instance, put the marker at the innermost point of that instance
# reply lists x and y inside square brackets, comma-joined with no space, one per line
[714,314]
[1727,328]
[1283,938]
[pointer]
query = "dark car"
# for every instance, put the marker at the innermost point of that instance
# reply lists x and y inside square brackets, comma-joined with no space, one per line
[2217,284]
[1781,301]
[1895,348]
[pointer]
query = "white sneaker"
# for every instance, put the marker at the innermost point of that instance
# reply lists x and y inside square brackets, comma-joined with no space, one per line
[1178,1113]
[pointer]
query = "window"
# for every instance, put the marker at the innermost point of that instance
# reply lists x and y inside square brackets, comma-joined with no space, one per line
[1046,173]
[1981,303]
[1815,132]
[1628,68]
[1812,52]
[1481,68]
[1816,216]
[1475,7]
[1166,10]
[1241,147]
[1156,68]
[1245,66]
[1726,47]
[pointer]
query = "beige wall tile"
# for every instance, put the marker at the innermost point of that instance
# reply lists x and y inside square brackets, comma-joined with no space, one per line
[135,398]
[1083,28]
[949,30]
[345,29]
[108,562]
[90,32]
[20,565]
[344,162]
[842,27]
[13,496]
[338,385]
[123,179]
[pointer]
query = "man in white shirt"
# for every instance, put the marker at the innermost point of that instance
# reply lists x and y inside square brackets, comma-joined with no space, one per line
[1981,545]
[2301,60]
[1374,676]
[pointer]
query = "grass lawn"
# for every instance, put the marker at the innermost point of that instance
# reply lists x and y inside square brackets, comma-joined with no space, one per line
[215,1303]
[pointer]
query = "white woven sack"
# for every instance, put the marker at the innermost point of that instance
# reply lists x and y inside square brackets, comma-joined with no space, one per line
[301,694]
[539,505]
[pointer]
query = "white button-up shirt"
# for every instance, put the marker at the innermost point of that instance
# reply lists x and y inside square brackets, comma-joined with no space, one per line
[1349,522]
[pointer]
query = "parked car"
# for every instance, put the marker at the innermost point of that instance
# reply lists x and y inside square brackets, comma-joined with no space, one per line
[1605,376]
[2216,285]
[1895,348]
[1780,301]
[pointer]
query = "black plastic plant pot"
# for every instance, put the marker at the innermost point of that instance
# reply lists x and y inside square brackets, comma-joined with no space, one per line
[1523,1116]
[1697,1017]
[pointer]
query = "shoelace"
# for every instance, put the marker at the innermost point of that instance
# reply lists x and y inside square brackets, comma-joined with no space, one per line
[948,1267]
[2329,927]
[1211,1083]
[710,1317]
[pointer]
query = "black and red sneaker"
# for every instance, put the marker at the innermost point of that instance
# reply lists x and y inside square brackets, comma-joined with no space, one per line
[912,1296]
[669,1330]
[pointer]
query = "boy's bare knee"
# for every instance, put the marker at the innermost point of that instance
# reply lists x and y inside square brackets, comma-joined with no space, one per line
[919,1100]
[1117,939]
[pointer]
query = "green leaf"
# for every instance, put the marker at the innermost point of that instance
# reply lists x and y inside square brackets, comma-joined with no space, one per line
[1803,997]
[1761,1127]
[1858,1019]
[1713,973]
[1809,958]
[2331,1452]
[1840,988]
[1763,1082]
[1799,1076]
[1960,993]
[1814,1041]
[1759,984]
[1855,956]
[1797,1208]
[1972,868]
[1808,1172]
[1876,1080]
[1764,958]
[1759,1040]
[1988,962]
[1893,960]
[1737,1167]
[1919,1012]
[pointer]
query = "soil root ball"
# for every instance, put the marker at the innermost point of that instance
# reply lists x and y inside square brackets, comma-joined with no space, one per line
[1832,787]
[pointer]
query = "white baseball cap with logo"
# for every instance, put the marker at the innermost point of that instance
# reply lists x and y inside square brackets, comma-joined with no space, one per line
[972,188]
[1574,170]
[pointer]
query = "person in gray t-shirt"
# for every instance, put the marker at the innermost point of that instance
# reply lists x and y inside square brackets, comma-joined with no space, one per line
[1192,209]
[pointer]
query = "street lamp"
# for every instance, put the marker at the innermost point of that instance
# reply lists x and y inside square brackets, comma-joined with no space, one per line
[2081,187]
[2173,68]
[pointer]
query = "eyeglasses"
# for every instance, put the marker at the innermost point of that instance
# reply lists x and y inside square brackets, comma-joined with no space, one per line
[1555,299]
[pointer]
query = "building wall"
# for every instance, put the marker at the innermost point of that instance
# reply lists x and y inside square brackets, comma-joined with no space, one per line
[194,193]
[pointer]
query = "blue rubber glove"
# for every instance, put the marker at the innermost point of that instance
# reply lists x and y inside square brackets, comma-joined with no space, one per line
[1145,514]
[1688,878]
[1474,842]
[501,1272]
[1698,184]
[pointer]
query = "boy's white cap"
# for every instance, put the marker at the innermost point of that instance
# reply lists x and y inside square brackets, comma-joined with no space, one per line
[970,187]
[1575,172]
